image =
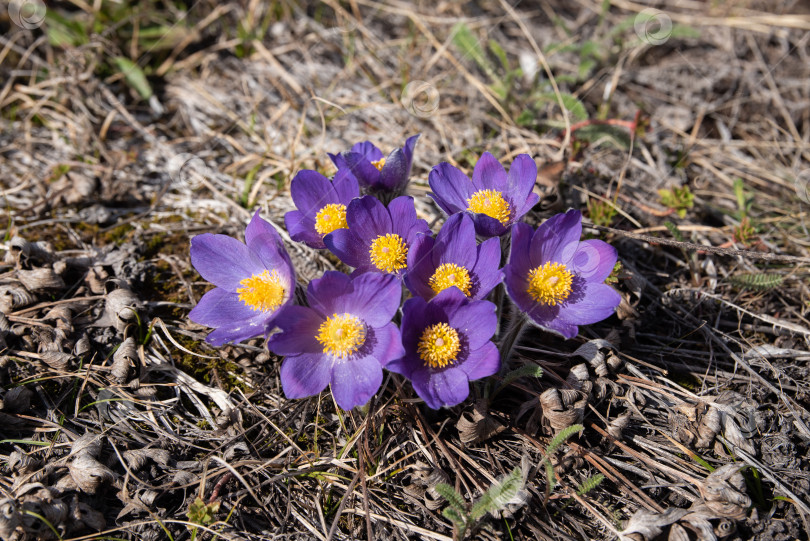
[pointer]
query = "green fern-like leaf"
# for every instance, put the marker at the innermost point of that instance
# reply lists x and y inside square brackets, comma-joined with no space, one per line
[590,484]
[560,438]
[569,101]
[468,44]
[453,516]
[757,280]
[674,231]
[551,480]
[525,370]
[454,499]
[551,448]
[498,495]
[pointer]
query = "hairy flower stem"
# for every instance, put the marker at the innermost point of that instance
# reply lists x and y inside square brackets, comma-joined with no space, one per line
[511,337]
[499,293]
[506,246]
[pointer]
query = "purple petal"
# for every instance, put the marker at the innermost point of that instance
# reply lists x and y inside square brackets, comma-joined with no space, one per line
[519,258]
[373,297]
[414,321]
[394,173]
[566,330]
[597,302]
[368,150]
[476,320]
[346,186]
[218,308]
[517,286]
[259,227]
[388,345]
[482,362]
[354,381]
[273,256]
[557,239]
[522,206]
[487,226]
[349,249]
[299,329]
[443,306]
[486,267]
[404,220]
[234,334]
[420,266]
[305,375]
[368,219]
[222,260]
[302,229]
[594,260]
[337,159]
[444,388]
[234,321]
[323,292]
[405,365]
[451,188]
[489,174]
[445,303]
[455,242]
[311,191]
[522,176]
[362,169]
[410,143]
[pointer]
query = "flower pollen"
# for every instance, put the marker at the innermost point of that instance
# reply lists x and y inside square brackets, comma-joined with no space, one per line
[331,217]
[490,203]
[263,291]
[550,283]
[379,164]
[439,345]
[389,253]
[341,335]
[449,275]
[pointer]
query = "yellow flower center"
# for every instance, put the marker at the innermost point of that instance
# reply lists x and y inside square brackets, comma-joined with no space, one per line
[379,163]
[491,203]
[341,335]
[389,253]
[330,217]
[439,345]
[550,283]
[263,291]
[449,275]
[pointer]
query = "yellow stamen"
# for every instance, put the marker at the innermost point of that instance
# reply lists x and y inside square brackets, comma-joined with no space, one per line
[263,291]
[439,345]
[449,275]
[330,217]
[491,203]
[389,253]
[550,283]
[379,163]
[341,335]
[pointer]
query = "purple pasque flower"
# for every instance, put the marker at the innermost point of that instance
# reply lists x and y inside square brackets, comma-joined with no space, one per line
[454,259]
[447,345]
[254,282]
[495,199]
[343,338]
[376,172]
[321,205]
[558,280]
[378,238]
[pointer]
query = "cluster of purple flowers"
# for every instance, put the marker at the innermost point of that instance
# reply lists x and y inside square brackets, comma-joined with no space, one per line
[345,334]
